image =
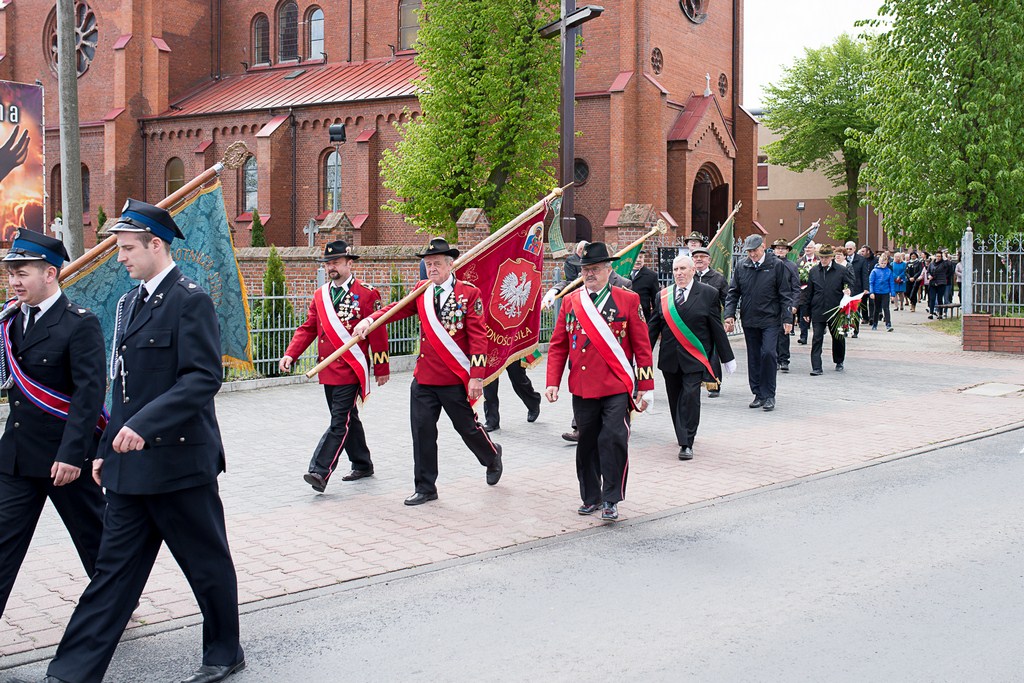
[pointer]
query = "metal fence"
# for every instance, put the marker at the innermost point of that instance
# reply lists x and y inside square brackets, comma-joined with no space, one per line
[992,281]
[275,317]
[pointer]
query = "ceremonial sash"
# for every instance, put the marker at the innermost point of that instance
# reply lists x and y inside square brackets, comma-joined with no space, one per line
[48,400]
[600,334]
[336,333]
[454,357]
[683,334]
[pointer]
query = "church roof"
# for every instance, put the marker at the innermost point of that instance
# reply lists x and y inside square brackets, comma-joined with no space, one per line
[700,114]
[300,85]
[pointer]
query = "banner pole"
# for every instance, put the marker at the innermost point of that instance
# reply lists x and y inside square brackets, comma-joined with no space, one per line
[660,228]
[236,153]
[459,263]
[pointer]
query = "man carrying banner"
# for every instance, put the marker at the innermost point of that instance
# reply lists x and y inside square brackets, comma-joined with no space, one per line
[159,460]
[336,308]
[706,275]
[451,367]
[688,319]
[52,363]
[600,331]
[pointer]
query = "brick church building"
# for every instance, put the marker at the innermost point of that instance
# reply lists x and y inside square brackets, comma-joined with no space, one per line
[164,87]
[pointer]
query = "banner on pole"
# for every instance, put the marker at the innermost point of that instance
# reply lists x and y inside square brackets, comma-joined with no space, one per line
[21,158]
[721,249]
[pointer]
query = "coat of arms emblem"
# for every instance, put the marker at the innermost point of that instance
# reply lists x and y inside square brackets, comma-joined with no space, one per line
[515,292]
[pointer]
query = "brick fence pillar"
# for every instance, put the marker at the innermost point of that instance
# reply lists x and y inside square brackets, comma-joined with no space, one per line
[976,332]
[474,226]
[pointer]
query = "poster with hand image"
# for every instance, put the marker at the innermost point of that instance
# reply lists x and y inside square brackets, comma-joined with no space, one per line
[21,158]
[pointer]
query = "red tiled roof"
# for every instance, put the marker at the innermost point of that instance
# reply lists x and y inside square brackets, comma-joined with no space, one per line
[260,89]
[696,107]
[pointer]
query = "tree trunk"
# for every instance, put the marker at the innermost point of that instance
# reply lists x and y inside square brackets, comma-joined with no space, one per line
[70,153]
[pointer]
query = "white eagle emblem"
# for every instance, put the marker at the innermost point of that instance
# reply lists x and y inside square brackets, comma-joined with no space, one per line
[515,293]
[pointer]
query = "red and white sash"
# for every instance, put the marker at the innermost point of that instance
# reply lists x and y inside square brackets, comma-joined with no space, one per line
[453,357]
[339,336]
[603,340]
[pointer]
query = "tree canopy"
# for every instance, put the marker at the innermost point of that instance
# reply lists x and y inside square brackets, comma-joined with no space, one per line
[488,134]
[817,108]
[948,100]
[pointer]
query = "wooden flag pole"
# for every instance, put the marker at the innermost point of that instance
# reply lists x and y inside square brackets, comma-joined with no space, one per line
[660,228]
[717,234]
[459,263]
[804,233]
[234,156]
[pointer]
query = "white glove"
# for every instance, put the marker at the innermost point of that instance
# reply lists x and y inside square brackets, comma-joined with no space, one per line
[649,398]
[549,299]
[730,367]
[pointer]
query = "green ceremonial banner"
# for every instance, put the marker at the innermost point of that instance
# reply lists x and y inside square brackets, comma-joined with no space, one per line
[721,249]
[624,266]
[801,242]
[555,241]
[206,255]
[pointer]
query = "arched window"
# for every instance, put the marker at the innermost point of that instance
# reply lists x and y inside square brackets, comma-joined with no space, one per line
[261,40]
[174,176]
[287,32]
[85,189]
[332,181]
[315,31]
[250,185]
[408,23]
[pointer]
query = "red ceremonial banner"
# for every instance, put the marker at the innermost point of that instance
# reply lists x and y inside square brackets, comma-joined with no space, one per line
[508,276]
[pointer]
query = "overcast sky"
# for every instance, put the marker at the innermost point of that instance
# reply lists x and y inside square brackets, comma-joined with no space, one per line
[776,33]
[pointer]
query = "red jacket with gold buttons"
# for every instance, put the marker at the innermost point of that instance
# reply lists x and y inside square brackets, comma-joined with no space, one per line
[463,316]
[361,301]
[590,376]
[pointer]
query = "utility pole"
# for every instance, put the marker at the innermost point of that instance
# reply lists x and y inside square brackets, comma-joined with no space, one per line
[70,152]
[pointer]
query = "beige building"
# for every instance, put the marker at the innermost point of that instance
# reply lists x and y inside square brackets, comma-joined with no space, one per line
[781,193]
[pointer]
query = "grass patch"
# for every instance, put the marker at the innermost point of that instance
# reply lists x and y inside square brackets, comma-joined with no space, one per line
[950,326]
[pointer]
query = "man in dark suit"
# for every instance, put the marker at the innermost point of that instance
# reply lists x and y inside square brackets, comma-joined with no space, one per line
[158,460]
[782,248]
[825,283]
[57,346]
[523,387]
[688,311]
[706,275]
[645,283]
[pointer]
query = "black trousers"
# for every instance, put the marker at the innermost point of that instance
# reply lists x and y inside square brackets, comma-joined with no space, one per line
[783,347]
[425,404]
[602,452]
[345,432]
[683,391]
[520,384]
[804,325]
[191,522]
[762,359]
[80,505]
[880,308]
[838,345]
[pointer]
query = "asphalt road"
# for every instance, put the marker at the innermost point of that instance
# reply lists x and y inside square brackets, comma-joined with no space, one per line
[909,570]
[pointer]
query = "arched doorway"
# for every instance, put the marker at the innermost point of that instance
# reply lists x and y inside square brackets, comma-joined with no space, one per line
[709,201]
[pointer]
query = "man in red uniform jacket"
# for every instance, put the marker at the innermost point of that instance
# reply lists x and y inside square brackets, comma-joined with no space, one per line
[334,311]
[601,331]
[450,370]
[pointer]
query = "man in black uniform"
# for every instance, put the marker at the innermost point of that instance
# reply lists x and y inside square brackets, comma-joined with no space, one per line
[706,275]
[52,433]
[825,283]
[159,461]
[645,283]
[782,248]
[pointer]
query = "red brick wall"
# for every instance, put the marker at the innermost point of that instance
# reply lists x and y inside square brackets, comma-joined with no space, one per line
[982,332]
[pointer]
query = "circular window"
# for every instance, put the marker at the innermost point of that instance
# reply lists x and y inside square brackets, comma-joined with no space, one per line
[723,84]
[580,172]
[695,10]
[657,60]
[86,37]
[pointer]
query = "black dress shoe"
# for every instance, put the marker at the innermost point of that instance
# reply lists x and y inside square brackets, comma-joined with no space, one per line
[610,512]
[783,367]
[713,394]
[801,340]
[573,436]
[854,336]
[588,509]
[769,405]
[420,498]
[532,414]
[815,373]
[756,403]
[839,367]
[209,673]
[53,679]
[491,428]
[686,453]
[494,471]
[357,474]
[316,481]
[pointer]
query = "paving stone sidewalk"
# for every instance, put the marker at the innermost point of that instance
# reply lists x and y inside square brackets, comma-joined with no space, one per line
[900,391]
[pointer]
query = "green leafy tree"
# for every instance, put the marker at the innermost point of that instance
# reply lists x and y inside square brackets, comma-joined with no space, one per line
[101,217]
[273,318]
[259,235]
[818,108]
[488,134]
[947,98]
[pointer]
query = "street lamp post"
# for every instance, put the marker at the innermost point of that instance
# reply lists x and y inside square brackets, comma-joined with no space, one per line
[799,218]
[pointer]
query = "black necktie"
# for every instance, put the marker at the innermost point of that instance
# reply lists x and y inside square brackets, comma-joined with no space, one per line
[139,303]
[32,312]
[593,297]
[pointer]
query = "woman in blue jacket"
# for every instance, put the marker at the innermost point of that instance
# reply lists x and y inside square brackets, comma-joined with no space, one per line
[882,285]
